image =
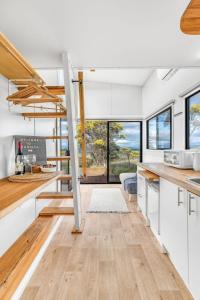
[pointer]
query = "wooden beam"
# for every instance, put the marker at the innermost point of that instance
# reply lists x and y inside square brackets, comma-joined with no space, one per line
[82,122]
[44,115]
[190,20]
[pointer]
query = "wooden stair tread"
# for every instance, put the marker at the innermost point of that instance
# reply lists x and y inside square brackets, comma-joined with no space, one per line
[18,258]
[65,177]
[44,115]
[56,137]
[50,211]
[55,195]
[58,158]
[28,101]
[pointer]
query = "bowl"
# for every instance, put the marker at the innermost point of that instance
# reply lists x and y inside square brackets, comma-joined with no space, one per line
[48,168]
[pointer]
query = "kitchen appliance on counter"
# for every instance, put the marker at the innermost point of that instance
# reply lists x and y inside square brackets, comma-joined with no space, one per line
[182,159]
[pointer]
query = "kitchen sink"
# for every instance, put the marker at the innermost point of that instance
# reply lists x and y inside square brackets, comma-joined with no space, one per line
[194,180]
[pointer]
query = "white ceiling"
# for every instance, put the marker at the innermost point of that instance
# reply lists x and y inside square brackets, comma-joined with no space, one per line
[119,76]
[103,33]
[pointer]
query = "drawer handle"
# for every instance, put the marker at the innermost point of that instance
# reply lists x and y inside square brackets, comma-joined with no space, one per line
[179,201]
[190,204]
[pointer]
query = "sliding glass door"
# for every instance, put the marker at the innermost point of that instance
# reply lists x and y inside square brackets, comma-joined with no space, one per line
[112,147]
[124,148]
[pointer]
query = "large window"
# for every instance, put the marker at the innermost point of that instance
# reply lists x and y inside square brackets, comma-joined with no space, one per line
[193,121]
[159,131]
[112,147]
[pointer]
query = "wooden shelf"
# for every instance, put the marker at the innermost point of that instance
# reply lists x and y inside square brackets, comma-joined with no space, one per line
[58,158]
[12,64]
[44,115]
[14,194]
[55,195]
[16,261]
[51,211]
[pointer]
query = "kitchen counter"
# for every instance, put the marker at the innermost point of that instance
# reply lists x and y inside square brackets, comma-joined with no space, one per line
[177,176]
[13,194]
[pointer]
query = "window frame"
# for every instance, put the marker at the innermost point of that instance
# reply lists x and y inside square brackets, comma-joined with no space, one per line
[187,119]
[157,137]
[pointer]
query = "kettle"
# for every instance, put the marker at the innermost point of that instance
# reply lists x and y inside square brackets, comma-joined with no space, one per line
[196,161]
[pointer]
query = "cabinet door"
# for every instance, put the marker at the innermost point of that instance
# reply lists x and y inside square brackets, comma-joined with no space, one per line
[173,225]
[141,193]
[194,244]
[153,208]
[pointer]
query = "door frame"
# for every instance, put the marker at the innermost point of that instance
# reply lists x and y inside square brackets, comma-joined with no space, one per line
[108,138]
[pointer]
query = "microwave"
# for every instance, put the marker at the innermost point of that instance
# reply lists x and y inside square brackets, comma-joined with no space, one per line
[182,159]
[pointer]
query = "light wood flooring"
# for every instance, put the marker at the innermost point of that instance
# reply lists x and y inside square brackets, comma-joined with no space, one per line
[116,257]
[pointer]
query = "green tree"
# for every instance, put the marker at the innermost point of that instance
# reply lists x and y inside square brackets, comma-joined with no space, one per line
[96,140]
[194,117]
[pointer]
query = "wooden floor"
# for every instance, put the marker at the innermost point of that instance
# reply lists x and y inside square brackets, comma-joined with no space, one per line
[116,257]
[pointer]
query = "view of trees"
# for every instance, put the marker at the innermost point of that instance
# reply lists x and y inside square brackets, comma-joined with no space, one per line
[194,118]
[121,158]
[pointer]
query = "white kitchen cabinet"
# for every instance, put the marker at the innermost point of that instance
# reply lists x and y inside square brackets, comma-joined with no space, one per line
[194,244]
[153,207]
[141,194]
[173,225]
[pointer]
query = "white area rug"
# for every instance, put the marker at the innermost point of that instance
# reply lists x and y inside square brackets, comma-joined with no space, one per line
[107,200]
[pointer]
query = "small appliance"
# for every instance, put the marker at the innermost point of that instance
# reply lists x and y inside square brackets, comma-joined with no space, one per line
[182,159]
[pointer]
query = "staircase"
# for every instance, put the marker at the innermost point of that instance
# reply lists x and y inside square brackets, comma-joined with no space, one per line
[34,94]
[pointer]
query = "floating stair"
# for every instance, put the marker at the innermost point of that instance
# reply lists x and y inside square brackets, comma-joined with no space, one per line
[51,211]
[56,137]
[25,101]
[55,195]
[16,261]
[65,177]
[44,115]
[58,158]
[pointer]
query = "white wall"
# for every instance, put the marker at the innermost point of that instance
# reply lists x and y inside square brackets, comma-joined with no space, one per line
[112,101]
[156,93]
[12,123]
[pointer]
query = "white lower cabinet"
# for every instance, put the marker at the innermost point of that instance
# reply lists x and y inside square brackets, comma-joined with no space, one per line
[141,194]
[153,207]
[194,244]
[173,225]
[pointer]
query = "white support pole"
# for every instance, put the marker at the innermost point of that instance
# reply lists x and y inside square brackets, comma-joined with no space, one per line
[71,118]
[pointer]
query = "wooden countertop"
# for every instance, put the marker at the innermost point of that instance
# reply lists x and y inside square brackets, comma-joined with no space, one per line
[177,176]
[13,194]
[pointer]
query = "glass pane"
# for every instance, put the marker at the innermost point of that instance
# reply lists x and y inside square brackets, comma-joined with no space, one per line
[164,130]
[152,131]
[96,151]
[64,148]
[194,121]
[124,148]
